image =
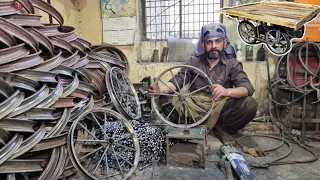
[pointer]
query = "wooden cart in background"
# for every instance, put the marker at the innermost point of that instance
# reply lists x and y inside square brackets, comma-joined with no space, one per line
[272,23]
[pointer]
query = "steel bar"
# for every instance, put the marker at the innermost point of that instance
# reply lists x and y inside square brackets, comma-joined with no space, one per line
[20,82]
[10,104]
[17,125]
[21,166]
[26,20]
[76,44]
[42,39]
[49,30]
[13,53]
[23,63]
[7,8]
[49,143]
[6,89]
[64,103]
[67,33]
[65,45]
[71,87]
[51,63]
[48,171]
[46,7]
[60,125]
[31,142]
[71,60]
[31,101]
[19,33]
[10,148]
[38,114]
[40,76]
[81,62]
[54,95]
[7,39]
[27,5]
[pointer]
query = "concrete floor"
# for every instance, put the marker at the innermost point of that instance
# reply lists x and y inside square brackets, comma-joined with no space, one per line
[176,171]
[310,171]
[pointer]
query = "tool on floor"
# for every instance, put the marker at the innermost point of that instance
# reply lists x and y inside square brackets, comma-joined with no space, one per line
[238,163]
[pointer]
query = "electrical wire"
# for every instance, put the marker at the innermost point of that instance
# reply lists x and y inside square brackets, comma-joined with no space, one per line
[272,98]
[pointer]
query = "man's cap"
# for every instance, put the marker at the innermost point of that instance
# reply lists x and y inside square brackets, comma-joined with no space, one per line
[214,33]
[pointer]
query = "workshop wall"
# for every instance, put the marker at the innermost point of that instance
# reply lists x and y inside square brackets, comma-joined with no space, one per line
[85,16]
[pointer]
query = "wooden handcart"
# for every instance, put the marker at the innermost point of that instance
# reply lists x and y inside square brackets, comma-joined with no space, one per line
[272,23]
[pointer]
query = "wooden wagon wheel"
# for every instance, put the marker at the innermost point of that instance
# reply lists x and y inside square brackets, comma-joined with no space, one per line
[277,42]
[180,115]
[247,32]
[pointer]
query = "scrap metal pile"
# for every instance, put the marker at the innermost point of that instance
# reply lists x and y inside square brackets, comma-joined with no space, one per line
[65,105]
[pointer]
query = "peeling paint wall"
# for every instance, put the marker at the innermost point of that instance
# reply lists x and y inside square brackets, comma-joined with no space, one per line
[85,16]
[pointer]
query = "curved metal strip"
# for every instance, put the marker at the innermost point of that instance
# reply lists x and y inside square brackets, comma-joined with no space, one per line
[98,80]
[49,64]
[67,172]
[7,39]
[63,70]
[29,143]
[49,143]
[13,53]
[42,39]
[38,114]
[86,87]
[60,125]
[65,45]
[40,76]
[81,107]
[27,5]
[49,29]
[31,101]
[71,87]
[84,42]
[23,63]
[72,59]
[100,102]
[6,90]
[5,136]
[19,33]
[64,103]
[79,94]
[21,166]
[78,45]
[81,62]
[53,96]
[47,172]
[61,163]
[10,148]
[28,20]
[84,75]
[67,33]
[10,104]
[17,125]
[92,64]
[46,7]
[107,58]
[20,82]
[7,8]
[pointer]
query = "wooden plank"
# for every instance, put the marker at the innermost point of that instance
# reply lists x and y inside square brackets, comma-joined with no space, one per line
[293,15]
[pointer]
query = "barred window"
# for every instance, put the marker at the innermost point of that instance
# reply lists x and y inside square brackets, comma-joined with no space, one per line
[178,18]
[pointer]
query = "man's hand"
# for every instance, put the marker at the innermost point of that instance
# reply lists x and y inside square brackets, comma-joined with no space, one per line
[154,90]
[217,91]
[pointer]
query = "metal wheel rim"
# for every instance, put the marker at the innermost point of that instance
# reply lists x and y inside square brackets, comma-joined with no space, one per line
[114,93]
[156,108]
[247,32]
[130,131]
[276,39]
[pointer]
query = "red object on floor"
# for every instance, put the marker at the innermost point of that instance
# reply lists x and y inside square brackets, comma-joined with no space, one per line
[17,5]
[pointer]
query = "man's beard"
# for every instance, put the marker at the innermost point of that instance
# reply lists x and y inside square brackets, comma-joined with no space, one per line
[213,54]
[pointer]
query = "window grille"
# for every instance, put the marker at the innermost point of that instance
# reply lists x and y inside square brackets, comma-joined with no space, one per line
[178,18]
